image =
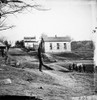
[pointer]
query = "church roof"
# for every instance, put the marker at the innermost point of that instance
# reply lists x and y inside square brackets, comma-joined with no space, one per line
[57,39]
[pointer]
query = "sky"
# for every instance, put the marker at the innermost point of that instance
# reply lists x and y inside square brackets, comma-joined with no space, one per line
[74,18]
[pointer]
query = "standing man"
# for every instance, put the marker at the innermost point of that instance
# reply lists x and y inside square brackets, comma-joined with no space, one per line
[6,55]
[6,51]
[40,49]
[2,52]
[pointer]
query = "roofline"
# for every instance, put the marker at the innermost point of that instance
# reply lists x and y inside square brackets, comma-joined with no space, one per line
[30,41]
[57,41]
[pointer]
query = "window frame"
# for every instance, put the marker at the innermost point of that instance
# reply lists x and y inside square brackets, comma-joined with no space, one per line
[58,46]
[65,46]
[51,47]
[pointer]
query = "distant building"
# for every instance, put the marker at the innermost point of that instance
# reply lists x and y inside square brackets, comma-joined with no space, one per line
[57,44]
[2,45]
[30,42]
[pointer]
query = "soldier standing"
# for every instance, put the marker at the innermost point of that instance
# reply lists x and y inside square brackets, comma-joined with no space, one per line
[40,55]
[6,55]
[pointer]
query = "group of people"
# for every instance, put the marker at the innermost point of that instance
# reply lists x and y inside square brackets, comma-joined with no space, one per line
[77,67]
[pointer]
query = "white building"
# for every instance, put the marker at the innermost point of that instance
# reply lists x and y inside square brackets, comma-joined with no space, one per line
[30,42]
[57,44]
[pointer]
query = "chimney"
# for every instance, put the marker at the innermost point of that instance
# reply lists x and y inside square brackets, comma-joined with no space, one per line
[55,36]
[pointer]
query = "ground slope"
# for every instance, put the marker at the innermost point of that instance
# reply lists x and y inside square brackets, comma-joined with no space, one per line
[46,85]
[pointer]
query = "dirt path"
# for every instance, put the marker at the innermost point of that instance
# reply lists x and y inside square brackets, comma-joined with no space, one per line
[62,79]
[57,67]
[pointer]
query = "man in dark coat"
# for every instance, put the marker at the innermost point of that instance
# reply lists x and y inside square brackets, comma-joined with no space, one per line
[40,55]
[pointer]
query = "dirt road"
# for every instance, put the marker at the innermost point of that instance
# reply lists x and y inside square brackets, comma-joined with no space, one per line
[62,79]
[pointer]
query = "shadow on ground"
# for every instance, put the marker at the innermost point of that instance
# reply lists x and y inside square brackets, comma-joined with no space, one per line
[65,71]
[9,97]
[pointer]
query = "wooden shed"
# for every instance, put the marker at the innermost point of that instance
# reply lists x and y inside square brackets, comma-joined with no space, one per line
[2,45]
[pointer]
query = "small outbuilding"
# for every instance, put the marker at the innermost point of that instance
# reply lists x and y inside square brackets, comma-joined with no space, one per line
[30,42]
[2,45]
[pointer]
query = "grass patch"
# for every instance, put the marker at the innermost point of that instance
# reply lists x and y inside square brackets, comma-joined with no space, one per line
[76,55]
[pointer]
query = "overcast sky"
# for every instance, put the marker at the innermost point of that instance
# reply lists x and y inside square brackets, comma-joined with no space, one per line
[75,18]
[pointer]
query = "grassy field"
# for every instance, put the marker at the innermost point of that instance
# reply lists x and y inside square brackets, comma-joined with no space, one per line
[56,84]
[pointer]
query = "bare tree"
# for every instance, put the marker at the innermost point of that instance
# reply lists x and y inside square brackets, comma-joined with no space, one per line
[15,6]
[43,35]
[2,39]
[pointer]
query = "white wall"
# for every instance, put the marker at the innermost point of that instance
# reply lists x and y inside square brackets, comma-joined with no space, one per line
[54,47]
[69,46]
[28,44]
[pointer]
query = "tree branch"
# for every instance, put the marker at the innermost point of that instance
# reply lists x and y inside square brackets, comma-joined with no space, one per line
[15,6]
[19,9]
[5,28]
